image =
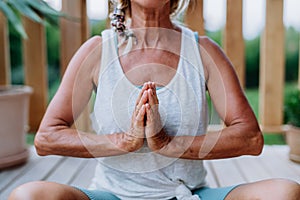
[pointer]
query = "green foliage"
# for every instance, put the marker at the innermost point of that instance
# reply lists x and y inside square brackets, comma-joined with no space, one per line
[30,138]
[252,56]
[15,47]
[252,95]
[97,26]
[291,54]
[252,53]
[36,10]
[274,139]
[215,36]
[253,98]
[53,41]
[292,108]
[53,54]
[13,17]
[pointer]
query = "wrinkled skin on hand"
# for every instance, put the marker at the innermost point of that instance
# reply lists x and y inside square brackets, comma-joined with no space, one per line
[155,134]
[145,123]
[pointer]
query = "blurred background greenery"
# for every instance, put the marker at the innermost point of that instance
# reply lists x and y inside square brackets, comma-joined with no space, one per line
[252,63]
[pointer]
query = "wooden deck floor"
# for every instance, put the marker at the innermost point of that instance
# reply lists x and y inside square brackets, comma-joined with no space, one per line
[272,163]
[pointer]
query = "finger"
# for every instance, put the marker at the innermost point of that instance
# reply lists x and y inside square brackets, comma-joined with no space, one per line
[149,114]
[150,97]
[153,100]
[141,114]
[142,101]
[153,86]
[144,88]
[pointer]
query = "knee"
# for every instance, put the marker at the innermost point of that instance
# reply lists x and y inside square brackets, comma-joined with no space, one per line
[28,191]
[286,189]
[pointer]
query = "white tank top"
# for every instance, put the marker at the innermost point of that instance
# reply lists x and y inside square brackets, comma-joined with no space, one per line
[183,108]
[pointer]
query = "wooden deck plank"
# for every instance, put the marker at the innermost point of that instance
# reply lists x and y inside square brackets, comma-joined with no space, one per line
[211,176]
[85,175]
[253,168]
[273,163]
[227,172]
[276,167]
[257,171]
[65,172]
[39,171]
[282,154]
[10,174]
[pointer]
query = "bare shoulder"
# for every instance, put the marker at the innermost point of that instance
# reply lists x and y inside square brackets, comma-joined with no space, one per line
[210,47]
[213,57]
[87,58]
[90,46]
[93,42]
[87,49]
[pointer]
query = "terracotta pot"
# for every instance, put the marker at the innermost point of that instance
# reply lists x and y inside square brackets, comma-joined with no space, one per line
[293,140]
[14,109]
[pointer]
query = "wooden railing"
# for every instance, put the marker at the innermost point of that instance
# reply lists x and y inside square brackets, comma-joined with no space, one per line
[74,33]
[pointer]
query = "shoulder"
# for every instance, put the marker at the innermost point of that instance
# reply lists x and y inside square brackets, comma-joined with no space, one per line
[213,57]
[211,52]
[91,43]
[95,40]
[86,58]
[89,48]
[209,45]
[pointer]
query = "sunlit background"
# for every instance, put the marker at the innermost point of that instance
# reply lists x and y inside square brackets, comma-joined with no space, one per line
[215,14]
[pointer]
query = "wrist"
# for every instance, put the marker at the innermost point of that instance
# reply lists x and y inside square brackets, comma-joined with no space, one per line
[125,142]
[130,143]
[159,141]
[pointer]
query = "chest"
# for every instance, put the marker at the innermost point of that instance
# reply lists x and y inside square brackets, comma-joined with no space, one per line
[144,65]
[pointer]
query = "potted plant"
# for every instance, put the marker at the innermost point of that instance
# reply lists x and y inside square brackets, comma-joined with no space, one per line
[14,100]
[292,118]
[14,105]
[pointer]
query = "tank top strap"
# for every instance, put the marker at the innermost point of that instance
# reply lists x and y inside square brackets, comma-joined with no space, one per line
[191,51]
[109,49]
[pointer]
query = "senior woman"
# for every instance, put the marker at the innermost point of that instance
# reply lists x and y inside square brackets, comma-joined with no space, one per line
[150,76]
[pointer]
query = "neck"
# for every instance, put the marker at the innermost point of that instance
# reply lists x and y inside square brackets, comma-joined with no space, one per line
[150,25]
[150,17]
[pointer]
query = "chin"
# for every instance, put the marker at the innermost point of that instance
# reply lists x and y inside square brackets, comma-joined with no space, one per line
[151,4]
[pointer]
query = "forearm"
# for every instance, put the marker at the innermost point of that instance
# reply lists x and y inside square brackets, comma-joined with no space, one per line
[71,142]
[229,142]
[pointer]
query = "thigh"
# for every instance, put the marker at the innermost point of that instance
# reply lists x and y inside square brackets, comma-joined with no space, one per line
[98,194]
[46,191]
[271,189]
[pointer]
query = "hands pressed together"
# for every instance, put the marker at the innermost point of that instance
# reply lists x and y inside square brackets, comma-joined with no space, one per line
[146,122]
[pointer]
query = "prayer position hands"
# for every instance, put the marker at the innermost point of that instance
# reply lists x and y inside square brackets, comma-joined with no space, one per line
[155,134]
[134,138]
[146,122]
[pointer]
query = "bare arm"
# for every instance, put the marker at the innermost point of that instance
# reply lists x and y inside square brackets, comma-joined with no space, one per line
[241,136]
[56,134]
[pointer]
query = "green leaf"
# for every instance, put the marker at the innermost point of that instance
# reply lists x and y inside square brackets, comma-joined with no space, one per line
[13,18]
[25,10]
[292,108]
[43,7]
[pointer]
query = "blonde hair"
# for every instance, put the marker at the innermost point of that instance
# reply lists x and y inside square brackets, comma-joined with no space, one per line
[177,6]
